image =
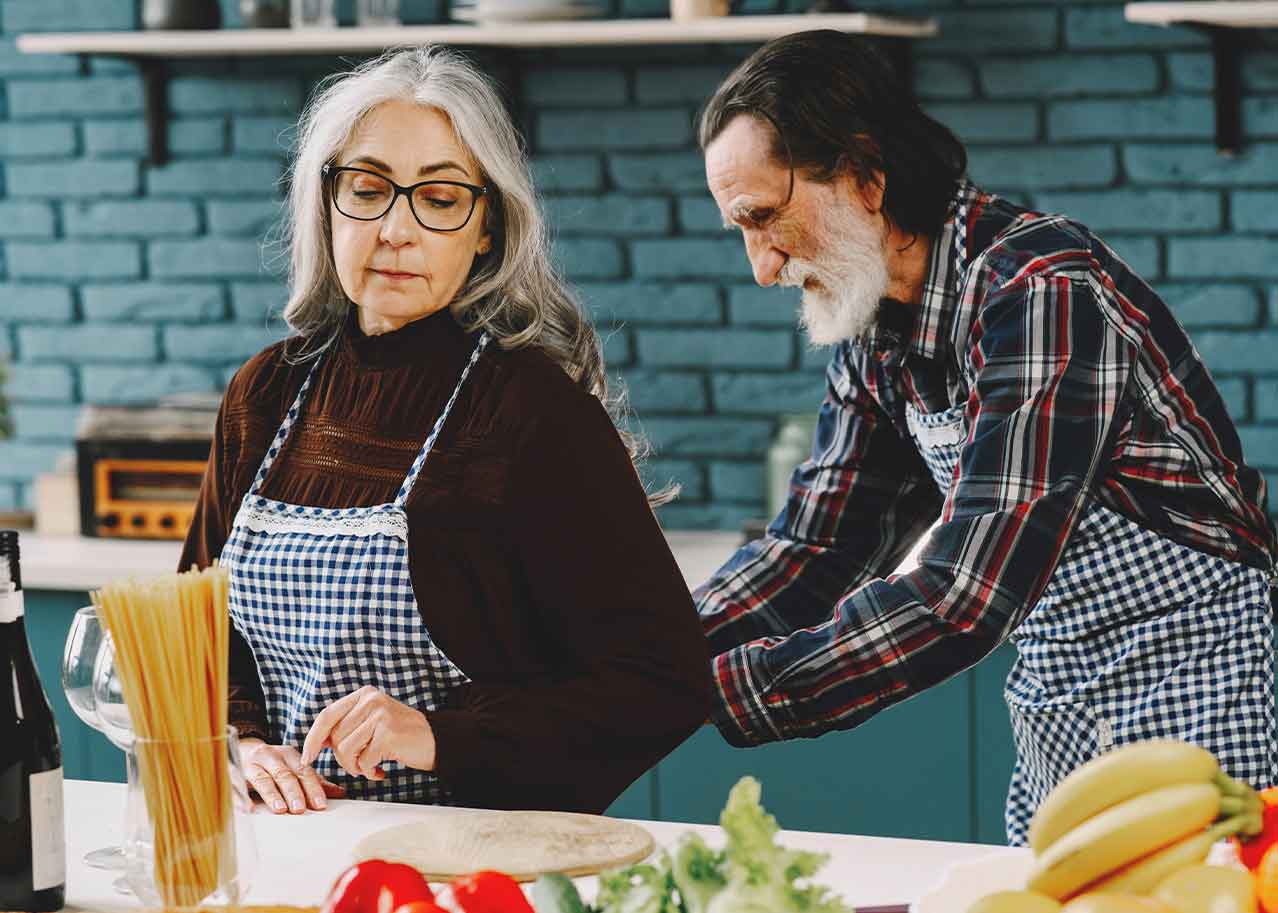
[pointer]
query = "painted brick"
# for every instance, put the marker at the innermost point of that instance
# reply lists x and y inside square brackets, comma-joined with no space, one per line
[670,172]
[264,135]
[153,301]
[1233,392]
[575,86]
[665,392]
[943,79]
[1227,257]
[214,177]
[708,436]
[204,258]
[700,214]
[11,496]
[719,348]
[1043,167]
[131,219]
[610,214]
[1069,74]
[1254,210]
[1260,115]
[36,303]
[1250,352]
[775,306]
[1200,164]
[87,342]
[1170,117]
[560,173]
[1105,28]
[588,258]
[652,302]
[79,178]
[767,394]
[1267,403]
[216,345]
[186,135]
[976,32]
[1139,210]
[681,515]
[109,385]
[673,85]
[26,220]
[812,357]
[256,302]
[988,122]
[208,94]
[685,473]
[36,140]
[20,461]
[656,128]
[95,96]
[68,15]
[1260,444]
[1198,306]
[244,217]
[690,258]
[737,482]
[45,424]
[70,260]
[618,350]
[15,63]
[1140,254]
[39,383]
[1190,71]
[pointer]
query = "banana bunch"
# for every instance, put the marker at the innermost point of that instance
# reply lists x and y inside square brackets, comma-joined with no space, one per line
[1123,822]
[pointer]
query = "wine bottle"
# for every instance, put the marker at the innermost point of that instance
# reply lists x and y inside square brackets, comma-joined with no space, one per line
[32,837]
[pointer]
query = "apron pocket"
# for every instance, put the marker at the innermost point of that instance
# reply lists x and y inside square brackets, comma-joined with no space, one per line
[1052,739]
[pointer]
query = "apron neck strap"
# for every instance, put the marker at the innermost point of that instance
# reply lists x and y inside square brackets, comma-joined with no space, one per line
[285,427]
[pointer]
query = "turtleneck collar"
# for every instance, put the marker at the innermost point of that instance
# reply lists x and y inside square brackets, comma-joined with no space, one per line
[424,339]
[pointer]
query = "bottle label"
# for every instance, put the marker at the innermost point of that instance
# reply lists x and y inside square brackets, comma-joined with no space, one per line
[48,835]
[10,606]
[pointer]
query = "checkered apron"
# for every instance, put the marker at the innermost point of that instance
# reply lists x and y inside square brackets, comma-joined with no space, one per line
[1135,637]
[325,599]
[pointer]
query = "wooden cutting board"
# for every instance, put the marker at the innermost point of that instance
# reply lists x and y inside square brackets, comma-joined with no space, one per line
[523,844]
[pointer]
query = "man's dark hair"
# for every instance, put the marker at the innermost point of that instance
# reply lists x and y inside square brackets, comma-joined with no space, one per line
[837,106]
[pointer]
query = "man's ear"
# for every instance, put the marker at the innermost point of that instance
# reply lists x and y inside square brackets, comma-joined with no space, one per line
[870,191]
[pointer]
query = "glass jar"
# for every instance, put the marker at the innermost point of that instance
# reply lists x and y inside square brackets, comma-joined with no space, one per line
[307,14]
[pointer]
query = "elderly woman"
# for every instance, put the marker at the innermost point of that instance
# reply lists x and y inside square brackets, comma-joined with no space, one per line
[447,581]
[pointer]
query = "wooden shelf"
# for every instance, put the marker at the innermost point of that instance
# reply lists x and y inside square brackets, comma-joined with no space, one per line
[150,49]
[1231,25]
[270,42]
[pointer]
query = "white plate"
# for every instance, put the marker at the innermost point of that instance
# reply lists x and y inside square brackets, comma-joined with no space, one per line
[964,883]
[498,11]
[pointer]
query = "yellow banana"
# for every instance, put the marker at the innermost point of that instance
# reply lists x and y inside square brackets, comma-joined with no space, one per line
[1143,875]
[1114,777]
[1015,902]
[1123,833]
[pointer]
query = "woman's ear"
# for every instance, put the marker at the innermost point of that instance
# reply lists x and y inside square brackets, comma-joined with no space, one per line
[485,244]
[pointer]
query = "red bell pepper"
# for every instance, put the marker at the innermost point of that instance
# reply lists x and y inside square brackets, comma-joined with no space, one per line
[1251,849]
[378,886]
[490,892]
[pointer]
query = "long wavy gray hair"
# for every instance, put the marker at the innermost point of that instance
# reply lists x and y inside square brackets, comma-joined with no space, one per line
[514,293]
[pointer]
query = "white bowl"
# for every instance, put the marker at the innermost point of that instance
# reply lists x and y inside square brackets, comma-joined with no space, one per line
[964,883]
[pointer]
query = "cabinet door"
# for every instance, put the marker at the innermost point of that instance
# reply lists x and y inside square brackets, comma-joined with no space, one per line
[637,801]
[992,737]
[905,773]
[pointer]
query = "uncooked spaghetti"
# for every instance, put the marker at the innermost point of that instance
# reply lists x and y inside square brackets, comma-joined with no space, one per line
[171,640]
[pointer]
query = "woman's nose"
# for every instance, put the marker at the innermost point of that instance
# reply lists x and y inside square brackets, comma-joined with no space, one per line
[398,225]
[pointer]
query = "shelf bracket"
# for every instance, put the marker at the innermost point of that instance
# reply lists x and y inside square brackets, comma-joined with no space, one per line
[155,83]
[1226,51]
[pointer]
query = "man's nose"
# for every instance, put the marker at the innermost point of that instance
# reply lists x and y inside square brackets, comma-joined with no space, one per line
[398,225]
[765,260]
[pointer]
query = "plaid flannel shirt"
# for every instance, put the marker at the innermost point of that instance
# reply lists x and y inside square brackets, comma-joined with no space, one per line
[1078,386]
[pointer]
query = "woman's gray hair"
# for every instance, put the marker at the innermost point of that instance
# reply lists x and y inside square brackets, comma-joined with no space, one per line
[513,293]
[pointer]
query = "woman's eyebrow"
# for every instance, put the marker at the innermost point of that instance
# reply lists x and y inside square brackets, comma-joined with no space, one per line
[422,171]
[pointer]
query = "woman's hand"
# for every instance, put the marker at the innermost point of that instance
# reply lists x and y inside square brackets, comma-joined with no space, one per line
[285,783]
[368,727]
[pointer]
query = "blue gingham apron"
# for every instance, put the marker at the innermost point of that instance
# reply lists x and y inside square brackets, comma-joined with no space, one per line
[325,599]
[1135,637]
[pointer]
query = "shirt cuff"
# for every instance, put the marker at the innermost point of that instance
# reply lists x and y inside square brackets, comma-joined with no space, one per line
[739,708]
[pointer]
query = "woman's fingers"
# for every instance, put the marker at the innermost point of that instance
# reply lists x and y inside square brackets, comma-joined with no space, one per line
[328,718]
[264,785]
[313,788]
[348,750]
[331,789]
[372,755]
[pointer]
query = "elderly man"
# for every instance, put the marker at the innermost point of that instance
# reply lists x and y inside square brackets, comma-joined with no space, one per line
[1002,371]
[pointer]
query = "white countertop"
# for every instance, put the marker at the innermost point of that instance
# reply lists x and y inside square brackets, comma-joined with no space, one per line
[300,855]
[84,563]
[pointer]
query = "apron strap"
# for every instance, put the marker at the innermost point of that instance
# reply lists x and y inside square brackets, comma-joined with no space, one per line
[411,479]
[282,434]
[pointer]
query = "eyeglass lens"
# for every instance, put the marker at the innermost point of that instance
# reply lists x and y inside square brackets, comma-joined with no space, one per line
[445,207]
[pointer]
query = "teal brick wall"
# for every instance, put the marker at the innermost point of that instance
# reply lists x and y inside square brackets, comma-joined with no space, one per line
[120,281]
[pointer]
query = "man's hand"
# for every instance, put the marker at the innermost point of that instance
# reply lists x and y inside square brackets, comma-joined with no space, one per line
[368,727]
[285,783]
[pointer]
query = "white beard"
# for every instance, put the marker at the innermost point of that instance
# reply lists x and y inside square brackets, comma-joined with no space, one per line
[842,287]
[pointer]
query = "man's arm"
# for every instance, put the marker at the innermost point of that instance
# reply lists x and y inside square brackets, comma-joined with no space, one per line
[855,508]
[1051,359]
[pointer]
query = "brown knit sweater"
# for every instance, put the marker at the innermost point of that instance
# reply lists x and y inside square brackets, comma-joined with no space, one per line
[538,565]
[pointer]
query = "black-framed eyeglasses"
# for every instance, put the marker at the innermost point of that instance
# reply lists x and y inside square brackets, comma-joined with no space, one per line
[436,205]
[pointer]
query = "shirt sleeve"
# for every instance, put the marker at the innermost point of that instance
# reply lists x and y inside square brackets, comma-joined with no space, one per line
[1050,368]
[855,508]
[632,681]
